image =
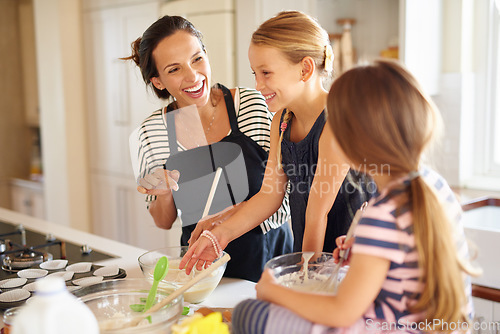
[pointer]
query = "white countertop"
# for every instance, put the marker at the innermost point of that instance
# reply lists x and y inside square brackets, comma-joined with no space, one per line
[229,292]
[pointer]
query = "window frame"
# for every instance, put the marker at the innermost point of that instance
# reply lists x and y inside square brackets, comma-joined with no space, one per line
[485,171]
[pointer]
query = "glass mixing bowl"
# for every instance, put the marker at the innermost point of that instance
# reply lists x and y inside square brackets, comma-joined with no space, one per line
[111,301]
[289,271]
[176,278]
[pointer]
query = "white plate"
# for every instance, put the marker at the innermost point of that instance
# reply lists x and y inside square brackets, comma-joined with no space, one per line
[32,273]
[14,295]
[107,271]
[88,280]
[12,283]
[53,264]
[66,275]
[30,287]
[80,267]
[73,288]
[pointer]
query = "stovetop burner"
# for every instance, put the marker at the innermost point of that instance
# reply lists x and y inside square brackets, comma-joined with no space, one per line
[24,259]
[22,249]
[25,249]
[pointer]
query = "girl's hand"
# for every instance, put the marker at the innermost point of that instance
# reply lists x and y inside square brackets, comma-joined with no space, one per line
[201,253]
[209,222]
[159,182]
[266,284]
[342,244]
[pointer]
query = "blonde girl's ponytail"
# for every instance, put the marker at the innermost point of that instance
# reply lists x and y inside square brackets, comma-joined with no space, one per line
[283,125]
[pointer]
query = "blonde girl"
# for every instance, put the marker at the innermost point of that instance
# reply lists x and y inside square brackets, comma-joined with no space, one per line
[407,269]
[290,55]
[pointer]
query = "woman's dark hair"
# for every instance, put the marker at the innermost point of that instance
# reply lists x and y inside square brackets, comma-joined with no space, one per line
[143,47]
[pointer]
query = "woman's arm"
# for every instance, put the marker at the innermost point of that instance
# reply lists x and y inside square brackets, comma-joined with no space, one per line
[162,208]
[163,211]
[356,293]
[257,209]
[330,173]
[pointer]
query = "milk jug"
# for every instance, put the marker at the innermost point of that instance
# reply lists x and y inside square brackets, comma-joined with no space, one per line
[54,310]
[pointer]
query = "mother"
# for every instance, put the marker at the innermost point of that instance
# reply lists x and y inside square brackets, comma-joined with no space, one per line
[174,63]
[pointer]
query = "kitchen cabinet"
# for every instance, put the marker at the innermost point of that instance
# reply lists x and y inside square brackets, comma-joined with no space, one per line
[487,316]
[28,56]
[379,24]
[215,20]
[387,23]
[118,102]
[119,212]
[27,197]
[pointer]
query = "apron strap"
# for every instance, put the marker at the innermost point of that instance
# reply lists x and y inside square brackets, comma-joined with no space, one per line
[231,112]
[172,136]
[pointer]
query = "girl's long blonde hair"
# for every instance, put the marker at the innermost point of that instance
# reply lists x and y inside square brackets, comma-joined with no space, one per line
[380,116]
[296,35]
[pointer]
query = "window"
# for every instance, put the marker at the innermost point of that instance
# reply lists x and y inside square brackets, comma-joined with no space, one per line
[485,172]
[495,87]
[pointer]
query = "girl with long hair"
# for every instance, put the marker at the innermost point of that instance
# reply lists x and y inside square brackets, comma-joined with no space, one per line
[291,55]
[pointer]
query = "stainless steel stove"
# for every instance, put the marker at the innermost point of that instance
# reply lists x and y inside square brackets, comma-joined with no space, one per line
[21,249]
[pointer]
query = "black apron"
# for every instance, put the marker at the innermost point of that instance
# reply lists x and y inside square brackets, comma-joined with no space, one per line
[252,250]
[299,163]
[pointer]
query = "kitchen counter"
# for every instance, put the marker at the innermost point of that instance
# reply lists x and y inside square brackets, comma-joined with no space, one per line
[226,295]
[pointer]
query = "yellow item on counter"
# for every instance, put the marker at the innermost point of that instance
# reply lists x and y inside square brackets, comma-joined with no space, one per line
[199,324]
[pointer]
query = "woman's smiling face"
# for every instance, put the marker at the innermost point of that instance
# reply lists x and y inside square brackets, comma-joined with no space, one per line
[275,76]
[184,69]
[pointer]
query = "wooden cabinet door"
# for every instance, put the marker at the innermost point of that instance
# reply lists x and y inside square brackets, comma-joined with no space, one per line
[27,197]
[119,213]
[215,20]
[117,97]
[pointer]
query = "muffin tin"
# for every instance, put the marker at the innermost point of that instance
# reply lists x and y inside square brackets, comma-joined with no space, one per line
[19,287]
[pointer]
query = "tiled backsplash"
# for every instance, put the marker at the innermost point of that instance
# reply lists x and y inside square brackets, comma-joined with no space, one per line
[446,158]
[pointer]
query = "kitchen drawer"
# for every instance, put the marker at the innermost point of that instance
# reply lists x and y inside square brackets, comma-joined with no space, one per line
[27,197]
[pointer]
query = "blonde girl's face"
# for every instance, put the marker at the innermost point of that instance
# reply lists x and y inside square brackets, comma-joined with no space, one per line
[275,76]
[183,68]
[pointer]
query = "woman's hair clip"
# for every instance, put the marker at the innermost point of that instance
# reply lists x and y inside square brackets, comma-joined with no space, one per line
[283,126]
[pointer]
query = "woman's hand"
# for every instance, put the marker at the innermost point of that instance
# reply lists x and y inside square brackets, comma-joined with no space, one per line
[266,284]
[342,244]
[159,182]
